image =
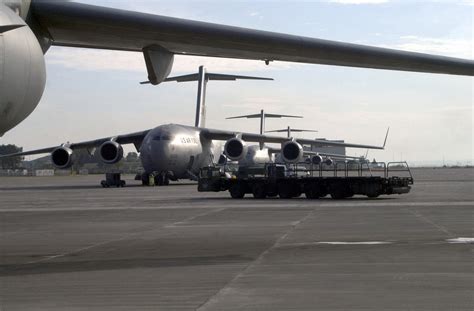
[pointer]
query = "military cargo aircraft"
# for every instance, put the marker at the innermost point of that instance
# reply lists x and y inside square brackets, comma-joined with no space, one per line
[179,151]
[29,27]
[175,151]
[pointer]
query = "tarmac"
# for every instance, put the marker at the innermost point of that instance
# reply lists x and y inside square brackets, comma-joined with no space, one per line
[68,244]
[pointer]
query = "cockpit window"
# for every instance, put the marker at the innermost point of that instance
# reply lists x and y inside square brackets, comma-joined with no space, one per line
[162,136]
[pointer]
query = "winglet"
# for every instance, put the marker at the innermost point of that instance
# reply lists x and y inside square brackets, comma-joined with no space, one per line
[386,136]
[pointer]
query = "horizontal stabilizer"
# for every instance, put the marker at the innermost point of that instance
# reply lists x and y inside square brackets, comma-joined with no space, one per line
[292,130]
[267,115]
[210,76]
[213,76]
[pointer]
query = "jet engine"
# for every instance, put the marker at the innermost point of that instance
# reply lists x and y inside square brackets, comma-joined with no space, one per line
[328,161]
[62,157]
[235,149]
[317,159]
[110,152]
[292,152]
[22,67]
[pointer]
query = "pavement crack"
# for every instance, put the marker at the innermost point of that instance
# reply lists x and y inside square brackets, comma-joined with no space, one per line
[142,229]
[258,260]
[429,221]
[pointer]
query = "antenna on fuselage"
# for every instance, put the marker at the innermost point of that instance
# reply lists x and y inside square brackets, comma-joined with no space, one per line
[203,77]
[262,116]
[289,130]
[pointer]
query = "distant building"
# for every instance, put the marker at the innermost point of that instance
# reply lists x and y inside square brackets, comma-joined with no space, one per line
[44,172]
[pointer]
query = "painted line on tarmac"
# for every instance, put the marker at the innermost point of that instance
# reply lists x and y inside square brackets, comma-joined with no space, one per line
[318,243]
[302,203]
[461,240]
[404,204]
[105,208]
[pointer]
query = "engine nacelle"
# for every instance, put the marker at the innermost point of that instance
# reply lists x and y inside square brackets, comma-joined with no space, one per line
[22,69]
[292,152]
[235,149]
[328,161]
[62,157]
[317,159]
[110,152]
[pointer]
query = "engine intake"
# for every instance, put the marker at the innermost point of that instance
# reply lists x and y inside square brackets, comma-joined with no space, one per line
[235,149]
[317,159]
[110,152]
[329,161]
[62,157]
[292,152]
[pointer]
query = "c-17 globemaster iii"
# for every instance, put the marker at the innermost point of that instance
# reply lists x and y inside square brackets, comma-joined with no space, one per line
[28,28]
[175,151]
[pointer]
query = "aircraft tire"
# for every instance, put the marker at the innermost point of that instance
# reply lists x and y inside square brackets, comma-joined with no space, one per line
[237,191]
[259,191]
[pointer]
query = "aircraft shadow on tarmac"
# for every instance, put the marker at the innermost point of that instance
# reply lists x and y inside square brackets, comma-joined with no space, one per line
[117,264]
[277,199]
[80,187]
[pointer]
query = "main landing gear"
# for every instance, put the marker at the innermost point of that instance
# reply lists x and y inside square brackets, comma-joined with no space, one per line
[157,178]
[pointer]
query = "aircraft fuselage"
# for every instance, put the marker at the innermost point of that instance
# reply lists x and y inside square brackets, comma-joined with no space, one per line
[178,149]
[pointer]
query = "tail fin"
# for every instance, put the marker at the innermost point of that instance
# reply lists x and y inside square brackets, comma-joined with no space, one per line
[386,136]
[262,116]
[289,130]
[203,77]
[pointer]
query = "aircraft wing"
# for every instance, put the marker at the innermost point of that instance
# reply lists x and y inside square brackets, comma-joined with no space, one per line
[80,25]
[258,138]
[132,138]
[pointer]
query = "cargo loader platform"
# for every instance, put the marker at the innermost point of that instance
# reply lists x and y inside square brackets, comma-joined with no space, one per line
[340,181]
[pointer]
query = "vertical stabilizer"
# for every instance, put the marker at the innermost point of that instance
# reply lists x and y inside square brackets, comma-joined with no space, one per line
[203,77]
[200,120]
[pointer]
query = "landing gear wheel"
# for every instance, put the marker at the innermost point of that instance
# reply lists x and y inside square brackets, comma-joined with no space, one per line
[162,179]
[285,191]
[258,191]
[145,179]
[237,191]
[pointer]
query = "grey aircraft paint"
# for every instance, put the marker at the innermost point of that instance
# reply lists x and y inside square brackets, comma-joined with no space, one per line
[178,149]
[65,23]
[22,70]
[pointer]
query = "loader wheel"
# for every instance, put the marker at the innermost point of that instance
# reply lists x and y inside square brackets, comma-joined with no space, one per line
[258,191]
[237,191]
[285,190]
[311,191]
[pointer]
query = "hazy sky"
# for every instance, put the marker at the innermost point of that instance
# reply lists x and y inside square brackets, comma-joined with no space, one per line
[92,93]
